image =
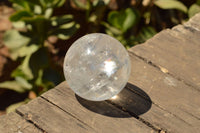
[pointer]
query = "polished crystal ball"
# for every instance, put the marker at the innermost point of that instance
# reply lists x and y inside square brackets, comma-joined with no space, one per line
[97,67]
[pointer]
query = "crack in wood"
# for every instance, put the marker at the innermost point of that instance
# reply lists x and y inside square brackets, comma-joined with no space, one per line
[158,68]
[159,105]
[66,112]
[152,64]
[191,114]
[134,115]
[158,129]
[187,27]
[171,113]
[191,23]
[29,120]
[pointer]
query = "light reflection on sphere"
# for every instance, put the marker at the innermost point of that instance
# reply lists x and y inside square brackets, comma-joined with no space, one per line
[97,67]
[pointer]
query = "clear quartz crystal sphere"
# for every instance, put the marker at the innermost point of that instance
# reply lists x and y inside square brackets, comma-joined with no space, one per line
[97,67]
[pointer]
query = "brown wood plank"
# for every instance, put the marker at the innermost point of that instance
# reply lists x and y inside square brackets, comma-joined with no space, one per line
[51,119]
[176,104]
[194,22]
[103,117]
[156,116]
[63,97]
[13,123]
[143,73]
[168,93]
[186,33]
[176,52]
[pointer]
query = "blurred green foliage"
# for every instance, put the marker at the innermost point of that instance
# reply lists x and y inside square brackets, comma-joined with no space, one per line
[34,23]
[134,21]
[131,23]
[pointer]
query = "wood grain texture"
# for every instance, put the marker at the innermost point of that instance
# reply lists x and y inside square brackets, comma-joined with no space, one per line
[194,22]
[52,119]
[103,117]
[176,52]
[157,117]
[163,94]
[181,102]
[13,123]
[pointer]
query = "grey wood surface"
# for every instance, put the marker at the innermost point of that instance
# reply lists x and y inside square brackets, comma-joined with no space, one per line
[50,118]
[162,95]
[14,123]
[169,95]
[101,116]
[176,52]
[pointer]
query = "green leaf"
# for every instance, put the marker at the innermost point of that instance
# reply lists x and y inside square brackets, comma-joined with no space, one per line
[13,85]
[17,16]
[193,10]
[18,24]
[18,44]
[48,12]
[23,82]
[39,28]
[18,72]
[38,80]
[57,21]
[51,3]
[100,2]
[39,60]
[65,31]
[21,4]
[13,39]
[23,70]
[124,19]
[59,3]
[171,4]
[37,9]
[22,51]
[34,2]
[145,34]
[13,107]
[111,30]
[80,4]
[131,19]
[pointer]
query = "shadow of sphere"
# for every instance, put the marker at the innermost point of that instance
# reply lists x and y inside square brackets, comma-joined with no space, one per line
[131,99]
[102,108]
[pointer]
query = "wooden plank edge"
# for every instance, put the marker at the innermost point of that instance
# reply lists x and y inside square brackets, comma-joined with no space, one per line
[13,122]
[47,96]
[27,118]
[158,67]
[194,22]
[191,25]
[32,113]
[156,127]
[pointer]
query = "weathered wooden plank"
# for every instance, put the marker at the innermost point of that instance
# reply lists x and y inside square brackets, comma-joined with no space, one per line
[13,123]
[152,81]
[156,116]
[176,105]
[187,34]
[194,22]
[52,119]
[101,116]
[168,93]
[174,53]
[129,101]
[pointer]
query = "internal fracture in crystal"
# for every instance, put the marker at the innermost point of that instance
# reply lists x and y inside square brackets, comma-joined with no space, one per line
[97,67]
